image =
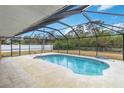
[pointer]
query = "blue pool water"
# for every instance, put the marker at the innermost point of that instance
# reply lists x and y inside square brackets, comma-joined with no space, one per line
[78,65]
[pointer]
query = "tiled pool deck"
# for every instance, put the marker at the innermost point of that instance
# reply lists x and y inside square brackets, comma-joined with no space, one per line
[24,71]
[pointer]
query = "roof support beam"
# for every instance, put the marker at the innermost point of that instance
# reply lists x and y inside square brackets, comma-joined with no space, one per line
[50,34]
[65,9]
[61,34]
[32,34]
[73,31]
[90,21]
[47,33]
[69,27]
[95,22]
[106,13]
[113,26]
[57,31]
[106,26]
[110,29]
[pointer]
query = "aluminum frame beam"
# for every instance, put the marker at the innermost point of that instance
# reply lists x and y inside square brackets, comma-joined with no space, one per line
[48,33]
[57,31]
[111,29]
[85,15]
[69,27]
[60,33]
[106,13]
[73,31]
[113,26]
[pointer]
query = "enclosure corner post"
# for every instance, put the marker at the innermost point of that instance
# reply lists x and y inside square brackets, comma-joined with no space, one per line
[79,46]
[19,47]
[59,46]
[29,50]
[41,46]
[123,46]
[0,47]
[96,46]
[51,45]
[11,47]
[67,46]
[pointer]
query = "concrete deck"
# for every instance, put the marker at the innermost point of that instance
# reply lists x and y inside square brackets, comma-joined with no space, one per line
[24,71]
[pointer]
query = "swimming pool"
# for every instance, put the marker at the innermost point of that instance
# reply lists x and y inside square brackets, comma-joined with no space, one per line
[79,65]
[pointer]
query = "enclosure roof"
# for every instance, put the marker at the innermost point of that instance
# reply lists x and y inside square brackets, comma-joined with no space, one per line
[15,18]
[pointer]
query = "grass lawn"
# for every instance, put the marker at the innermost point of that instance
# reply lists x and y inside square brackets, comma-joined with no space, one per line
[111,55]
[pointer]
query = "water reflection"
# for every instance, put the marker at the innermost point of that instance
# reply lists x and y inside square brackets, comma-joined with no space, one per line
[77,65]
